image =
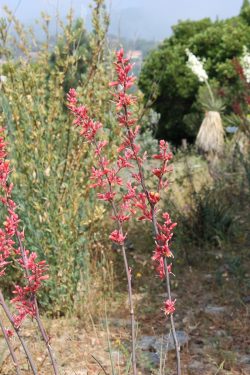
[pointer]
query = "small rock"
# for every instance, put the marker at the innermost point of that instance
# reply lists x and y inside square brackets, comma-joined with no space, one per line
[246,299]
[244,360]
[220,333]
[196,350]
[208,277]
[214,310]
[149,359]
[165,343]
[147,343]
[195,368]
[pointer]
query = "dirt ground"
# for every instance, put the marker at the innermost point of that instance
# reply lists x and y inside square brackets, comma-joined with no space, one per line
[212,309]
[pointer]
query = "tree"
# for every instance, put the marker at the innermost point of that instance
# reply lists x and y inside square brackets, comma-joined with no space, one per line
[172,88]
[245,11]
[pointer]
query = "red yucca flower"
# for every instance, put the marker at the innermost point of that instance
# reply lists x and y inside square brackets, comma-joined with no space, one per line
[169,307]
[34,271]
[135,200]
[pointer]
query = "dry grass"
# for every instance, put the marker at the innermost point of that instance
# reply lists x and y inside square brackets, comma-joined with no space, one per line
[210,138]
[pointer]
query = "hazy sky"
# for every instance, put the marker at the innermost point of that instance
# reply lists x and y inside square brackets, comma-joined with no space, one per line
[151,19]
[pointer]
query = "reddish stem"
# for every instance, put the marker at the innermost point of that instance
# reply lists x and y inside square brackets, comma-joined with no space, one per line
[128,273]
[12,352]
[25,348]
[155,227]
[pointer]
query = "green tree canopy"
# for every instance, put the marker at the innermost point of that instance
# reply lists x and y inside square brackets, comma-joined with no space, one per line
[173,89]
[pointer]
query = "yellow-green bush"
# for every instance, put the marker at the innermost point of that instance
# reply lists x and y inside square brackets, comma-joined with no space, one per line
[51,165]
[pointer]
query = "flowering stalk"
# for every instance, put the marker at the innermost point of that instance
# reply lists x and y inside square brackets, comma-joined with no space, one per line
[137,198]
[34,274]
[25,300]
[106,177]
[163,233]
[245,63]
[196,65]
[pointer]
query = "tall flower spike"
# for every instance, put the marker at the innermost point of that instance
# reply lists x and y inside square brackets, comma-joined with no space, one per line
[196,65]
[146,201]
[245,63]
[136,198]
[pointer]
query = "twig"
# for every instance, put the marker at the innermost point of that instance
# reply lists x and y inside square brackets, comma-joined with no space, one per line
[12,352]
[99,363]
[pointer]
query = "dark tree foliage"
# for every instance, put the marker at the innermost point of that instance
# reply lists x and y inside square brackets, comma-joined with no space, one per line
[172,88]
[78,45]
[245,11]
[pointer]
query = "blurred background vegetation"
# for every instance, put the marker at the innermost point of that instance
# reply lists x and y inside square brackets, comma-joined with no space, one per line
[172,90]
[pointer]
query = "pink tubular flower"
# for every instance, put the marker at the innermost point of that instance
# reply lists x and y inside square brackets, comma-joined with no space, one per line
[9,332]
[35,272]
[117,237]
[160,268]
[154,197]
[24,299]
[169,307]
[106,196]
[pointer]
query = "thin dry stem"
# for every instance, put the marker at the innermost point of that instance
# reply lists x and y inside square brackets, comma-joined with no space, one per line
[128,274]
[11,350]
[25,348]
[46,340]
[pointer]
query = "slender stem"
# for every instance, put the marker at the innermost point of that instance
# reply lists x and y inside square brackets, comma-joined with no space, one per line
[176,343]
[155,227]
[210,91]
[99,363]
[25,348]
[168,288]
[12,352]
[128,273]
[132,317]
[46,339]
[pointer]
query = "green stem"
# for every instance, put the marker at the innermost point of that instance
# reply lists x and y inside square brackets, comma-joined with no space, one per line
[210,92]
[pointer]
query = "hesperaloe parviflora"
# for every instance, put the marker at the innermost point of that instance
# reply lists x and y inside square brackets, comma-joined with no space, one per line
[13,251]
[135,200]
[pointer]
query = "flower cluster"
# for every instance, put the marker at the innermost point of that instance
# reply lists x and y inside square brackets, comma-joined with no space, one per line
[11,221]
[196,65]
[169,307]
[245,63]
[136,199]
[34,271]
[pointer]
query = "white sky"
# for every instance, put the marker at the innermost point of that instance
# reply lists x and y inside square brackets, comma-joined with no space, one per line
[151,19]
